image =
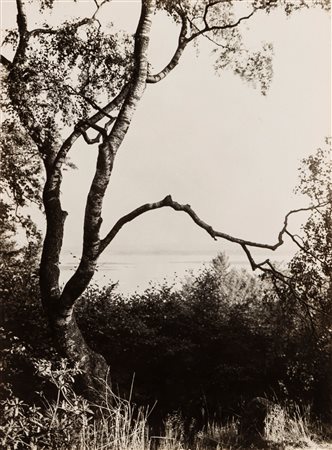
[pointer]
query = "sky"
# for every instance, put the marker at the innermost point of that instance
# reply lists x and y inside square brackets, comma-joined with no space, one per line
[211,141]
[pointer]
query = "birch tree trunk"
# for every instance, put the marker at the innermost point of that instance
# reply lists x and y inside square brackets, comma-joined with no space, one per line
[59,306]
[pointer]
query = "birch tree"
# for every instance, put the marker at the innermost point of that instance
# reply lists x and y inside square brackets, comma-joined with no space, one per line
[58,78]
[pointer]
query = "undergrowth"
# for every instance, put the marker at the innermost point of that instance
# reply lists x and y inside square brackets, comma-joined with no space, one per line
[70,422]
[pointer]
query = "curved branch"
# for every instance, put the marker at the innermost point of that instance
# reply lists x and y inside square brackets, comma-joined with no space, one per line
[265,266]
[79,129]
[89,140]
[221,27]
[102,132]
[206,11]
[168,201]
[182,42]
[107,151]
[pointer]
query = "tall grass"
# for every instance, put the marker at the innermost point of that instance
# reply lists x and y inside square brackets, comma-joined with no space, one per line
[289,427]
[70,422]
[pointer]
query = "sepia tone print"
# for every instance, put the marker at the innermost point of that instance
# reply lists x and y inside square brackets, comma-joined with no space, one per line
[165,223]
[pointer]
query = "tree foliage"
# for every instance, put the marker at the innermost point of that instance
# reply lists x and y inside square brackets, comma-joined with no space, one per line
[20,186]
[311,267]
[315,247]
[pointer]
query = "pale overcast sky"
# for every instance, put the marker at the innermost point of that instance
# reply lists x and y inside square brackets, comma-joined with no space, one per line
[211,141]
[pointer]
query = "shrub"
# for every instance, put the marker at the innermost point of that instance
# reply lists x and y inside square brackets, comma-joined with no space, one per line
[24,334]
[71,422]
[288,426]
[209,343]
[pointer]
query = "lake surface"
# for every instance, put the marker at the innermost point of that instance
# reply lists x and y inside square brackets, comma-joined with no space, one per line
[135,272]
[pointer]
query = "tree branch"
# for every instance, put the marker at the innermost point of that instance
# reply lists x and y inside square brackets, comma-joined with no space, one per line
[88,100]
[265,266]
[21,18]
[80,23]
[96,127]
[98,6]
[206,10]
[270,269]
[22,27]
[295,238]
[5,62]
[106,155]
[78,131]
[102,132]
[182,42]
[221,27]
[169,202]
[89,140]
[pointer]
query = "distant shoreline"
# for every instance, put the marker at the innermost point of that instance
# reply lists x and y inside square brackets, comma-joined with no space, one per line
[136,271]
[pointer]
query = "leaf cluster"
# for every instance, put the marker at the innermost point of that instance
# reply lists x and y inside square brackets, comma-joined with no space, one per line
[20,185]
[311,267]
[68,70]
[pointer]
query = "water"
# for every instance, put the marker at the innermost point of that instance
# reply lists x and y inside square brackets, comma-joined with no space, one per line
[135,272]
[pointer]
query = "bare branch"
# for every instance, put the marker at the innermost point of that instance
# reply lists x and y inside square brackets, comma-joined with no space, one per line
[88,100]
[104,112]
[265,266]
[167,201]
[206,10]
[89,140]
[182,42]
[229,26]
[102,132]
[98,6]
[296,241]
[262,265]
[80,23]
[5,62]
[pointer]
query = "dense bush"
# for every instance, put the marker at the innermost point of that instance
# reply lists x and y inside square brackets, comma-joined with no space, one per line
[206,348]
[71,422]
[223,338]
[307,298]
[24,335]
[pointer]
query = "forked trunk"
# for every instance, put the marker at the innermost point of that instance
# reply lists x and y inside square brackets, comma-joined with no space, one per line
[59,306]
[67,336]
